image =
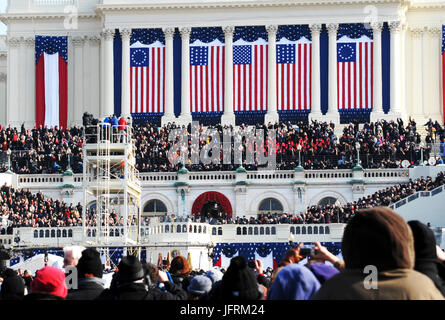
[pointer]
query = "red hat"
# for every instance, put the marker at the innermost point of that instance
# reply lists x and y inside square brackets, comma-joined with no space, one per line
[50,280]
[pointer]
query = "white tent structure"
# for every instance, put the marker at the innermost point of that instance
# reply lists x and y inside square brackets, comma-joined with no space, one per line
[38,262]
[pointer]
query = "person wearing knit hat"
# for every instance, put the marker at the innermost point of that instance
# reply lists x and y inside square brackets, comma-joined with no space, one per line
[378,237]
[239,282]
[13,288]
[199,286]
[294,282]
[215,275]
[426,254]
[90,272]
[49,284]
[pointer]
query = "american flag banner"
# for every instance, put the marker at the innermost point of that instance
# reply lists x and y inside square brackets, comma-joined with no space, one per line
[207,76]
[443,70]
[147,73]
[294,60]
[355,69]
[51,81]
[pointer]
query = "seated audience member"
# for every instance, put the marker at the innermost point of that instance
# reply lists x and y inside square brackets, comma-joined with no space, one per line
[378,237]
[294,282]
[48,284]
[427,261]
[90,272]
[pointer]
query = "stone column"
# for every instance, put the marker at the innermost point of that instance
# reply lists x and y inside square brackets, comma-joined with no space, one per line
[13,82]
[396,79]
[78,43]
[272,114]
[169,114]
[432,74]
[3,95]
[126,36]
[229,116]
[93,101]
[377,109]
[186,115]
[107,38]
[416,96]
[316,98]
[332,114]
[29,115]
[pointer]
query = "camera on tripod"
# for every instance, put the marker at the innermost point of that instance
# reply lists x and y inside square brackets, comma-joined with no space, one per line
[90,123]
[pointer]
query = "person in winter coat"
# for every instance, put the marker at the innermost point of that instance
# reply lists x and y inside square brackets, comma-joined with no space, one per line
[180,272]
[90,272]
[378,249]
[427,261]
[159,287]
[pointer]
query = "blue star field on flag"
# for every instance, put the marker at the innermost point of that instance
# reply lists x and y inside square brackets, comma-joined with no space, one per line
[139,57]
[52,45]
[285,53]
[346,52]
[198,56]
[242,54]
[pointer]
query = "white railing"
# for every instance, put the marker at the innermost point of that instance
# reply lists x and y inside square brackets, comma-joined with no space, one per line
[54,2]
[222,177]
[181,232]
[414,196]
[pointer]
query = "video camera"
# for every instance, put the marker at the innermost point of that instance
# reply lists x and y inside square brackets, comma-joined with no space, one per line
[89,120]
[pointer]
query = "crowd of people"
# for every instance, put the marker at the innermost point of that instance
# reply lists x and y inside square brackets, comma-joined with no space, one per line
[22,208]
[382,145]
[409,266]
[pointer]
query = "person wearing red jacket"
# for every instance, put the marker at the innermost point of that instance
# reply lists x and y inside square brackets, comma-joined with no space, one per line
[122,128]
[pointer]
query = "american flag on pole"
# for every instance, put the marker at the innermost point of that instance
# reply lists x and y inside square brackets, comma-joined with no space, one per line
[207,77]
[354,73]
[250,76]
[443,70]
[294,75]
[147,81]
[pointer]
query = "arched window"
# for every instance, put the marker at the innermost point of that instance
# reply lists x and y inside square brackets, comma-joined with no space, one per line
[112,233]
[184,228]
[262,230]
[250,231]
[297,230]
[64,233]
[292,230]
[219,231]
[244,231]
[36,233]
[270,205]
[321,230]
[328,201]
[41,234]
[178,228]
[238,231]
[303,230]
[255,231]
[70,233]
[326,230]
[274,230]
[154,208]
[53,233]
[316,230]
[213,231]
[267,230]
[309,230]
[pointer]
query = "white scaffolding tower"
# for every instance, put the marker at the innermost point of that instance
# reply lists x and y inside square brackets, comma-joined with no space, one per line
[112,181]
